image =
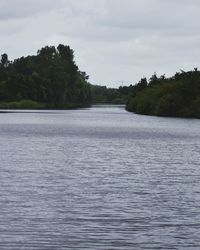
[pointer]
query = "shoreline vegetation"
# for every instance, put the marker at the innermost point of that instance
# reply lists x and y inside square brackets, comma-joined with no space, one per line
[31,105]
[49,80]
[52,80]
[177,96]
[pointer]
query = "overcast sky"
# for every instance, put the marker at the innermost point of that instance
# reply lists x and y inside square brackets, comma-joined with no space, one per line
[113,40]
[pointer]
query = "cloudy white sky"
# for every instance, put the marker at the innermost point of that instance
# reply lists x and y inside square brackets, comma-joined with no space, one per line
[113,40]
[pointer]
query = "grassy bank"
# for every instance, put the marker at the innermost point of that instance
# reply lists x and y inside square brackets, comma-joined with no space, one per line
[28,104]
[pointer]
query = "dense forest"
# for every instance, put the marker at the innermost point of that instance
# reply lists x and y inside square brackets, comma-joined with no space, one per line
[177,96]
[50,79]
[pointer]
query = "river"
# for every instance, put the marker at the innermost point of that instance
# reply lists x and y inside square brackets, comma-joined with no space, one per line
[98,179]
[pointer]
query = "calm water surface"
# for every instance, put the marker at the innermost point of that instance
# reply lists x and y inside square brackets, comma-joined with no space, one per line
[100,178]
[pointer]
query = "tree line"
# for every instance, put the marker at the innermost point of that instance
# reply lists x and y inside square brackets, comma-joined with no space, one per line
[52,80]
[176,96]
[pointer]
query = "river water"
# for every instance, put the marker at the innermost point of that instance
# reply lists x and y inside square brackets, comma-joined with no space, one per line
[98,178]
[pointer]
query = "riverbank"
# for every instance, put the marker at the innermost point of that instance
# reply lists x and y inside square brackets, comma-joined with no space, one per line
[30,105]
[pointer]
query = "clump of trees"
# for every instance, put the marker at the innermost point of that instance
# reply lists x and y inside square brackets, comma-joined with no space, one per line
[177,96]
[50,79]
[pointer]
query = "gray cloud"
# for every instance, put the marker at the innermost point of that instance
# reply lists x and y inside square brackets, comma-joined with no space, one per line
[113,39]
[12,9]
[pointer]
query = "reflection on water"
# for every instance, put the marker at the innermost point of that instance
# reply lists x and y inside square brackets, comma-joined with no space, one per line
[98,178]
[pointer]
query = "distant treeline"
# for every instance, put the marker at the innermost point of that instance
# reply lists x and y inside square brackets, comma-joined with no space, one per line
[103,94]
[177,96]
[50,79]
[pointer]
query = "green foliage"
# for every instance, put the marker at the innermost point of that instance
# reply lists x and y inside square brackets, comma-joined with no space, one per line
[195,107]
[23,104]
[144,100]
[178,96]
[169,105]
[102,94]
[51,78]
